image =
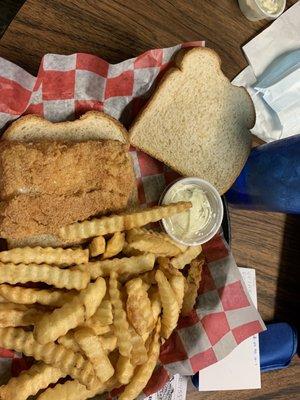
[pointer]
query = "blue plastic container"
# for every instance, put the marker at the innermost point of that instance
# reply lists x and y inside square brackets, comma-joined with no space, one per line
[270,180]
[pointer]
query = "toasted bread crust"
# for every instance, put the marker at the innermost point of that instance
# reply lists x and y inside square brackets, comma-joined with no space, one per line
[93,116]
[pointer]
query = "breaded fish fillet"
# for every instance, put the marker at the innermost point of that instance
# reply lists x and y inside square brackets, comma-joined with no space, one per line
[46,185]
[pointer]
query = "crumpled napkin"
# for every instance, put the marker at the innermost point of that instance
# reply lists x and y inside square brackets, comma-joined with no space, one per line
[273,77]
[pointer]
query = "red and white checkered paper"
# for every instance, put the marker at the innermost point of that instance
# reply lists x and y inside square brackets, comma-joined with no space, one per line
[67,86]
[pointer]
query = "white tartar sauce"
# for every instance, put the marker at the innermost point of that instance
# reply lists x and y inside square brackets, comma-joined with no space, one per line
[270,6]
[191,222]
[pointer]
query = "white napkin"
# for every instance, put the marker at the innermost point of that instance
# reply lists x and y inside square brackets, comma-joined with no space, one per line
[273,77]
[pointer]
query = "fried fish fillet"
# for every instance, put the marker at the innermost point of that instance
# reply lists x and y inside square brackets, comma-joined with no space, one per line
[46,185]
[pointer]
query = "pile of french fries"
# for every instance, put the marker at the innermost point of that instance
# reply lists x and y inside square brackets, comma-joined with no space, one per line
[106,310]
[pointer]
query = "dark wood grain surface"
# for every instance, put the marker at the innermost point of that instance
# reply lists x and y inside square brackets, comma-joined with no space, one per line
[8,9]
[117,30]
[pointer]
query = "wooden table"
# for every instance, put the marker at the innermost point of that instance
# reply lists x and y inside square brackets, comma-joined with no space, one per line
[117,30]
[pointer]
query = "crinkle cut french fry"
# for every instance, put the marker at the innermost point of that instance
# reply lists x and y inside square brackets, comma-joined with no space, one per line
[132,265]
[130,251]
[60,278]
[92,297]
[161,235]
[69,342]
[146,286]
[139,351]
[109,342]
[169,303]
[73,390]
[193,282]
[70,363]
[155,246]
[121,326]
[30,382]
[122,222]
[114,245]
[148,242]
[47,255]
[195,270]
[70,315]
[166,267]
[21,295]
[156,311]
[144,372]
[97,246]
[149,277]
[92,347]
[98,330]
[177,284]
[16,317]
[103,315]
[138,306]
[155,304]
[69,390]
[102,319]
[124,370]
[185,258]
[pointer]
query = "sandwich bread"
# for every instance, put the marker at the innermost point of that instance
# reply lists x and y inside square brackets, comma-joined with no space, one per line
[93,125]
[197,122]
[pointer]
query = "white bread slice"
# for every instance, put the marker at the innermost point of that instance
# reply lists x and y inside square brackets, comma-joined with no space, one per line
[196,121]
[93,125]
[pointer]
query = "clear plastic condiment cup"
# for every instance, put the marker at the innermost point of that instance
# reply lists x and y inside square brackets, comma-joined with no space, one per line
[253,10]
[215,201]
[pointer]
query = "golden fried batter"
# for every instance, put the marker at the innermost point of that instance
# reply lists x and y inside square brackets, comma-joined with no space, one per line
[46,185]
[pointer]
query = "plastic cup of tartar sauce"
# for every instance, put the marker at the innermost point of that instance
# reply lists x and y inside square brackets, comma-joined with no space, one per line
[201,222]
[255,10]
